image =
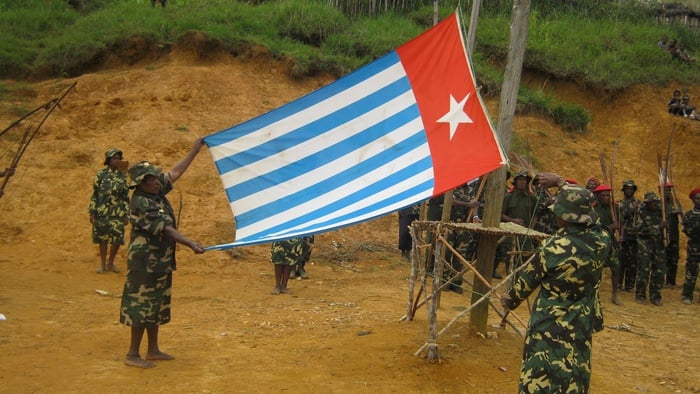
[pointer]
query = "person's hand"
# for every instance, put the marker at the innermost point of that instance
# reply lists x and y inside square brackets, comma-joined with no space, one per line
[549,179]
[518,221]
[663,224]
[198,144]
[473,203]
[9,171]
[197,248]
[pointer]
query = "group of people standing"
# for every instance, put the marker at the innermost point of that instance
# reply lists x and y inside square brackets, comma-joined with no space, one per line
[635,238]
[145,303]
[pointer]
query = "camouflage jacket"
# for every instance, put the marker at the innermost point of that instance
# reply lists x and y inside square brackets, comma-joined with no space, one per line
[691,228]
[647,222]
[150,249]
[568,268]
[520,205]
[110,194]
[628,211]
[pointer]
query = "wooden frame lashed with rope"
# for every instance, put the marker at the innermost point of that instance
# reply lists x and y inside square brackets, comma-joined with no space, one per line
[423,268]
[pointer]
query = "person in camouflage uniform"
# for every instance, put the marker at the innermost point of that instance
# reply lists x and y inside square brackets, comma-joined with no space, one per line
[519,207]
[406,217]
[650,247]
[145,303]
[629,206]
[108,209]
[299,270]
[546,221]
[691,228]
[285,255]
[673,217]
[567,268]
[606,209]
[462,201]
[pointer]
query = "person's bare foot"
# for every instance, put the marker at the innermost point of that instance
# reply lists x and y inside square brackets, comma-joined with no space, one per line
[159,356]
[100,270]
[138,362]
[286,290]
[615,300]
[276,291]
[113,268]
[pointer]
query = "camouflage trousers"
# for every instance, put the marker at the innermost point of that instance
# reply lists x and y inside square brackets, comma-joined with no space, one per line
[555,363]
[691,272]
[628,264]
[146,299]
[108,230]
[465,244]
[671,261]
[287,252]
[652,267]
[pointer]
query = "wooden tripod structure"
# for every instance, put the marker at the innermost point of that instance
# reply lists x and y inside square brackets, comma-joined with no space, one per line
[434,274]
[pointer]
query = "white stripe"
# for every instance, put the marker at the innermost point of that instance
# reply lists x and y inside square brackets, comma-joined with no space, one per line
[323,141]
[310,114]
[334,195]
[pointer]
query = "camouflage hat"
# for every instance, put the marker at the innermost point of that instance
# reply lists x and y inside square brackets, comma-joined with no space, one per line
[650,197]
[111,152]
[573,205]
[139,171]
[523,174]
[629,183]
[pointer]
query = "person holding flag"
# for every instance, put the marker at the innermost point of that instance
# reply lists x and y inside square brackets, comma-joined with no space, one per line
[145,304]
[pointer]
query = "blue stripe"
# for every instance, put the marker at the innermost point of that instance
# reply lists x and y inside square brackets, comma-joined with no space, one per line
[314,129]
[262,121]
[379,206]
[321,188]
[322,157]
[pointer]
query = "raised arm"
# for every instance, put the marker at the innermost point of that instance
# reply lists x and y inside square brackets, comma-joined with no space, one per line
[180,168]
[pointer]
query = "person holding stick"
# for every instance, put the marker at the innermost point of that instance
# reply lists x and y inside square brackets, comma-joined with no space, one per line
[691,228]
[145,304]
[607,212]
[649,225]
[567,268]
[673,217]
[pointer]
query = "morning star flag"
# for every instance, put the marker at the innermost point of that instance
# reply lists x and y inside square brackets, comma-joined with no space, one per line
[395,132]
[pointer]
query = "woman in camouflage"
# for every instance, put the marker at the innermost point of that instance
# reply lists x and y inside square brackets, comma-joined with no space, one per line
[151,259]
[109,205]
[567,268]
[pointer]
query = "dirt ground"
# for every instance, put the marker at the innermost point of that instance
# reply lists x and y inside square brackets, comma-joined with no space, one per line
[340,331]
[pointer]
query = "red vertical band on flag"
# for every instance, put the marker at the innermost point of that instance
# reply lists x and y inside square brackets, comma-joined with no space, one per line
[437,67]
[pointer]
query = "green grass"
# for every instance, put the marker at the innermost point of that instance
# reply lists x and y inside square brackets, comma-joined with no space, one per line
[601,43]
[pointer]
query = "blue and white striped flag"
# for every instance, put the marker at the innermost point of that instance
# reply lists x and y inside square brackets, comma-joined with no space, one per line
[402,129]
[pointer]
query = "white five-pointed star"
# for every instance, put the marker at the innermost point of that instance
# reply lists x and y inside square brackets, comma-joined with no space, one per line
[456,114]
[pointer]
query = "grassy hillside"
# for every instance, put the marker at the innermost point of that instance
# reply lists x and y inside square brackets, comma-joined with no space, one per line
[606,45]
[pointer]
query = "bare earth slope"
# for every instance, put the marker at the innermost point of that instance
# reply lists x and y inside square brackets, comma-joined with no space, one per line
[340,330]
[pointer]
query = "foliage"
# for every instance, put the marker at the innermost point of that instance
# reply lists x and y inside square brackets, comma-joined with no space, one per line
[308,22]
[606,44]
[571,117]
